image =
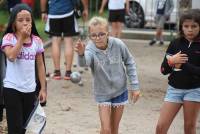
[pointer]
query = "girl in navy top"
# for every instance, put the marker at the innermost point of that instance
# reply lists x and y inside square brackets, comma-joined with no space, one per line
[182,63]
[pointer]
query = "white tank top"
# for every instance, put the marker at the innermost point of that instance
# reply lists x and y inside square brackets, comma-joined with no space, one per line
[116,4]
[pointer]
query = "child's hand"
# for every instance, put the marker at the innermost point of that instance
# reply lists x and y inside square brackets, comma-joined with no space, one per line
[26,31]
[134,95]
[178,58]
[167,17]
[79,47]
[42,95]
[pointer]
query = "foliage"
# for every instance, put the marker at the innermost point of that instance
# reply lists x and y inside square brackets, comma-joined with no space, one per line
[3,5]
[36,10]
[40,25]
[3,21]
[40,28]
[4,17]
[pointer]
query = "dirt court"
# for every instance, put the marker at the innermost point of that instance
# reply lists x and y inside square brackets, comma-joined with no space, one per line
[71,109]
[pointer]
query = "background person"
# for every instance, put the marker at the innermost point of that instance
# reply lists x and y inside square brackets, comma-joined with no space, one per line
[62,23]
[162,13]
[117,10]
[182,64]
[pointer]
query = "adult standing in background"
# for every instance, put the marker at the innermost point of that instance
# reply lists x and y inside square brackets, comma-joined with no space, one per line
[162,13]
[61,22]
[117,10]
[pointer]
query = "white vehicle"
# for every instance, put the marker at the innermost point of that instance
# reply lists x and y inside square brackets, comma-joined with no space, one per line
[195,4]
[143,11]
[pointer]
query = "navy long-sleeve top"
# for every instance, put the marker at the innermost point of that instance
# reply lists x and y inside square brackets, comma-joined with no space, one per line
[188,76]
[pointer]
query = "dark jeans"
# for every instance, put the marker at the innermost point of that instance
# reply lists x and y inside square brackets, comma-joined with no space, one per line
[18,108]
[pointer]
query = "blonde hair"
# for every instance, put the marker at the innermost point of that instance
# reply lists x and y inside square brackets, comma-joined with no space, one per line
[94,21]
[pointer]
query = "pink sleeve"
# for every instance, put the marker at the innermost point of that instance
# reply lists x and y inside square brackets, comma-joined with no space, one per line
[39,42]
[8,40]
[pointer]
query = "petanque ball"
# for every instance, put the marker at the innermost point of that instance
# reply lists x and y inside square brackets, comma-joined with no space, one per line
[75,77]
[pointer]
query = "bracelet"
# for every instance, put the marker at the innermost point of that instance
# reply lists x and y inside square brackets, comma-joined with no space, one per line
[170,63]
[81,55]
[43,11]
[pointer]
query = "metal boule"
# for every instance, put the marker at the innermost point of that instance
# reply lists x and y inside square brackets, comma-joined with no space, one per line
[75,77]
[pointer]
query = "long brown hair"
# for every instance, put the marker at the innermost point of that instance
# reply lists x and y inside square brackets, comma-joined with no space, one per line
[16,9]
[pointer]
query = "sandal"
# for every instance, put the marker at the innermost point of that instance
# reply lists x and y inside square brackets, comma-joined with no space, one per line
[57,75]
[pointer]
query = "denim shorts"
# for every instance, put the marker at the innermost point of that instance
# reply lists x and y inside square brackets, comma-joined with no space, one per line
[180,95]
[116,101]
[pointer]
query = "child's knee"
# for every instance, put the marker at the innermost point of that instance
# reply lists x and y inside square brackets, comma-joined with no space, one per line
[105,130]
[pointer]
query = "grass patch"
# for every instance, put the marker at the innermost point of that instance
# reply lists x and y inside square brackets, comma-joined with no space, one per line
[3,20]
[4,17]
[40,28]
[105,14]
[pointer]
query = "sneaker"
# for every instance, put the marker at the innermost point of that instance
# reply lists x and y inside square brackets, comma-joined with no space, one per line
[152,42]
[57,75]
[67,75]
[161,43]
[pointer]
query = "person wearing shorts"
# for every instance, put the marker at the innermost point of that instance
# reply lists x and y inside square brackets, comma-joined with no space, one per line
[116,101]
[108,58]
[160,21]
[182,63]
[116,16]
[180,95]
[162,13]
[117,11]
[61,23]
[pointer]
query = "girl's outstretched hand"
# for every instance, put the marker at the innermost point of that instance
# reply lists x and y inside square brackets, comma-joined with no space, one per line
[42,95]
[134,95]
[79,47]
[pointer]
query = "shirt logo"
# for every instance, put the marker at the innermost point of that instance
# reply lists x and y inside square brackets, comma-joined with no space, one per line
[26,56]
